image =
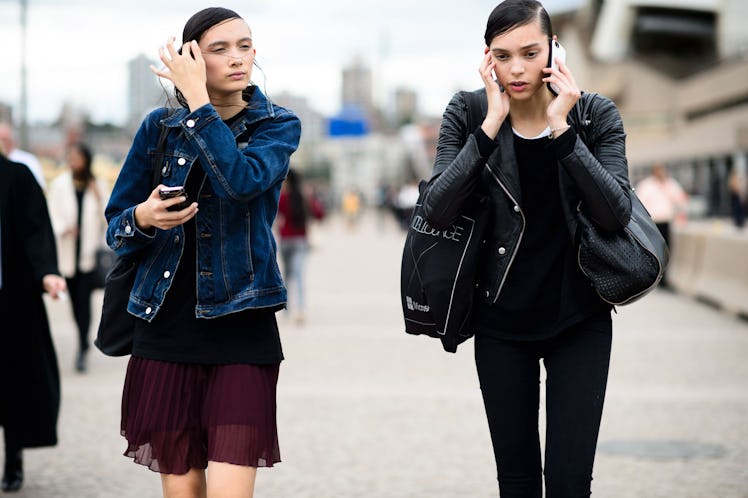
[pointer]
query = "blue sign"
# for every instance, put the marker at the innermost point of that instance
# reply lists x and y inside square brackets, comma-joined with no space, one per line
[351,121]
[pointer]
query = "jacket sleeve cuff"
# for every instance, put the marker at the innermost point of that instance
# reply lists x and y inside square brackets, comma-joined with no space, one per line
[486,146]
[563,145]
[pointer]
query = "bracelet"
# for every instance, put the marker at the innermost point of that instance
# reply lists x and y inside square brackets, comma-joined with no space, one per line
[552,133]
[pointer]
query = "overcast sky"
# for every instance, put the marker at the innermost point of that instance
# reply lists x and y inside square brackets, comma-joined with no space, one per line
[77,50]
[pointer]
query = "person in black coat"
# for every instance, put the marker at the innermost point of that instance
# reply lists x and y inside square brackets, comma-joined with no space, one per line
[29,376]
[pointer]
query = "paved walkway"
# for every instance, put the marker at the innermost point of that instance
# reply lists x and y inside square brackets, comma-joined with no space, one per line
[367,411]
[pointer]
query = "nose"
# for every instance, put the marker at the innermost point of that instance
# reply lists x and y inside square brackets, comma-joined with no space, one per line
[517,67]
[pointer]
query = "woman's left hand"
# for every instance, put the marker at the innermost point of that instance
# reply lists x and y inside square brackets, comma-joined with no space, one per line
[54,285]
[186,71]
[568,94]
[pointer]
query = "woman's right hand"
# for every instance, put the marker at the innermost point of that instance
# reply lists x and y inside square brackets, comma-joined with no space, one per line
[186,70]
[153,213]
[498,100]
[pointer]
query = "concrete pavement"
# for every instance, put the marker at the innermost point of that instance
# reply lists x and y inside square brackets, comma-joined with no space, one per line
[365,410]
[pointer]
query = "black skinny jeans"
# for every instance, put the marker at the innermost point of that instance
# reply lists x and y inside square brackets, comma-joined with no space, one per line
[576,364]
[80,288]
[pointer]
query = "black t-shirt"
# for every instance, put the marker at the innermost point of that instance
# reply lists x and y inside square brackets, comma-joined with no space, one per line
[249,336]
[544,292]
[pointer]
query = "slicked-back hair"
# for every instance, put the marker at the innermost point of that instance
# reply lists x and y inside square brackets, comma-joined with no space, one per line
[510,14]
[195,28]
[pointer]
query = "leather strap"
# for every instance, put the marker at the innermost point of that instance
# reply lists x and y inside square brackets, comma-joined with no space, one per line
[161,145]
[476,111]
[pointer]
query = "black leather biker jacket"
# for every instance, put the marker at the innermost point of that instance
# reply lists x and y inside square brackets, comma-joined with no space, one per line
[594,177]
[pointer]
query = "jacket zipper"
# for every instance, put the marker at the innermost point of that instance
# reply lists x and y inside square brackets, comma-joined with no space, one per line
[519,240]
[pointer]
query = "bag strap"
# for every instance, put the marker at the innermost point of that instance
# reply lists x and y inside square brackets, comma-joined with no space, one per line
[160,147]
[476,110]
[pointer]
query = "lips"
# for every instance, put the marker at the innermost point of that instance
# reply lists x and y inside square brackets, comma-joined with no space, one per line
[518,85]
[236,76]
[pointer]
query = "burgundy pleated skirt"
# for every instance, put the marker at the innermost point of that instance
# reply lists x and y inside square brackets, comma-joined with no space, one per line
[178,416]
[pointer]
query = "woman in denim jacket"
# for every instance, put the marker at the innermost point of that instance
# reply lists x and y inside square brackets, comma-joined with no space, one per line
[200,386]
[536,156]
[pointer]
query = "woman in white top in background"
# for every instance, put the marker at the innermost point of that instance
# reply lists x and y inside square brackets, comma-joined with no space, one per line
[76,205]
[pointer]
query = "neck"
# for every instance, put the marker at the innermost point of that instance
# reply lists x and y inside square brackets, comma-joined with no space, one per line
[529,117]
[531,110]
[228,106]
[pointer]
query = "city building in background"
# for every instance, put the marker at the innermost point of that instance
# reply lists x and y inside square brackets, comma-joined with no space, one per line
[356,89]
[144,91]
[406,106]
[677,70]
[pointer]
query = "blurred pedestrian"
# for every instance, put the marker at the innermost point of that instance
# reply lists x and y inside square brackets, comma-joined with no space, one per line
[737,187]
[536,156]
[29,377]
[200,388]
[405,202]
[12,152]
[77,200]
[350,205]
[665,200]
[295,211]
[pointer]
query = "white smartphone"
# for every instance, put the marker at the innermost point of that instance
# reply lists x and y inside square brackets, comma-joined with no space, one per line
[557,51]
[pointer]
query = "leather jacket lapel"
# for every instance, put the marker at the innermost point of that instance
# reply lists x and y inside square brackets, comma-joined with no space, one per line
[503,162]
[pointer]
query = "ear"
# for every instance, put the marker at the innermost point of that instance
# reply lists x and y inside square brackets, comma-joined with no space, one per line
[485,50]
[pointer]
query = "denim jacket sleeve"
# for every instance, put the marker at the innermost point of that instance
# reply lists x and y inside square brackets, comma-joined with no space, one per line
[133,186]
[242,174]
[238,174]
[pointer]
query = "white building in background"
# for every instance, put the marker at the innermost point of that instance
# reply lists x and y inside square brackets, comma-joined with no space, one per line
[364,163]
[357,86]
[678,72]
[702,26]
[144,91]
[405,106]
[677,69]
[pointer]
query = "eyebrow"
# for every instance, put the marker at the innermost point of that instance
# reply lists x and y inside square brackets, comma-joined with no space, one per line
[223,42]
[529,45]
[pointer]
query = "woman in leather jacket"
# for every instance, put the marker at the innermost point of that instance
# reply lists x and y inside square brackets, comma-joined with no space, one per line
[200,388]
[538,157]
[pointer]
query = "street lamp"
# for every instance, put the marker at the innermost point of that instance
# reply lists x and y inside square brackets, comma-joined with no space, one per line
[23,130]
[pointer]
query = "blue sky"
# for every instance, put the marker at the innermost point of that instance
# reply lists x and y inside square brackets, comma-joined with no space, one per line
[77,50]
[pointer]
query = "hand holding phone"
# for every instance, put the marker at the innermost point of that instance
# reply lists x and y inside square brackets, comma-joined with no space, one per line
[556,51]
[172,192]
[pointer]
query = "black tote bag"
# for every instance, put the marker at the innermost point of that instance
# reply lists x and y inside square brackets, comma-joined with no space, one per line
[438,267]
[116,326]
[438,273]
[114,336]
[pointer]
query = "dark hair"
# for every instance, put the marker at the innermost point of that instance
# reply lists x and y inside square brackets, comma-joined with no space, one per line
[297,202]
[195,28]
[510,14]
[85,150]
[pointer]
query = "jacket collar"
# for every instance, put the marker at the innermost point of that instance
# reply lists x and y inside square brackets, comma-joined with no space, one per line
[259,108]
[503,161]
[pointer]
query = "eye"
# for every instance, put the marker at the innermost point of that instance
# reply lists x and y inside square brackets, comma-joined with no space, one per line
[532,54]
[500,57]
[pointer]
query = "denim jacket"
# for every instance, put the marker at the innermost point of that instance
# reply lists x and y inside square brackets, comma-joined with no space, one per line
[244,168]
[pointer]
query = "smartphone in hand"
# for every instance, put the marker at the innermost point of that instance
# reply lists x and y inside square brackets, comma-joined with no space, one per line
[170,193]
[557,51]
